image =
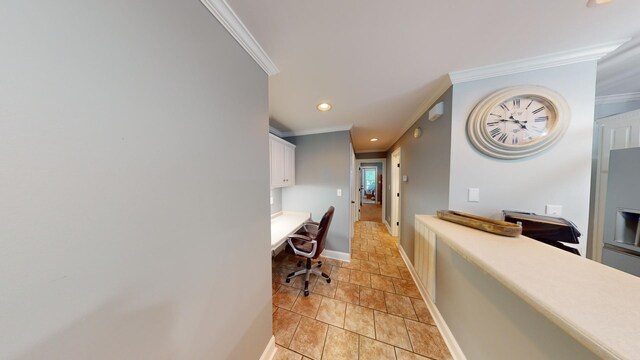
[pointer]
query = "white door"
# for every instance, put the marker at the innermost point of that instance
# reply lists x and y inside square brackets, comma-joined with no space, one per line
[615,132]
[395,193]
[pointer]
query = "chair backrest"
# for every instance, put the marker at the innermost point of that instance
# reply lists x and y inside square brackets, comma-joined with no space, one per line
[323,229]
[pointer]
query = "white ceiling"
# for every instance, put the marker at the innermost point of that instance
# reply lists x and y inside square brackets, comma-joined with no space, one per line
[377,61]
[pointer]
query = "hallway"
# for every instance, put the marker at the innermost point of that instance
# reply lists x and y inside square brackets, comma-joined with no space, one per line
[371,212]
[372,309]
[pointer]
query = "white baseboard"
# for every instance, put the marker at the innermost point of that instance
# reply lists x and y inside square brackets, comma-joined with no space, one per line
[384,221]
[269,352]
[337,255]
[456,351]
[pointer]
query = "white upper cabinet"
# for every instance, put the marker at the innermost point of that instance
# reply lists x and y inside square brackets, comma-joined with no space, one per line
[289,165]
[282,157]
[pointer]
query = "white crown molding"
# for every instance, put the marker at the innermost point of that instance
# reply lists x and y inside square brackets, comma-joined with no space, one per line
[317,131]
[617,98]
[228,18]
[275,131]
[442,87]
[589,53]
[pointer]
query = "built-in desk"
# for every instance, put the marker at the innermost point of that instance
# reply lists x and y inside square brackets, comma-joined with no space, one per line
[283,224]
[508,298]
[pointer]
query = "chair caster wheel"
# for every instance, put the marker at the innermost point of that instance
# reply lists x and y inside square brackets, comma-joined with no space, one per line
[328,281]
[287,281]
[306,293]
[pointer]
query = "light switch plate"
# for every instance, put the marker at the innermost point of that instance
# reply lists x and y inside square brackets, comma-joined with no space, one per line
[339,192]
[271,200]
[555,210]
[474,195]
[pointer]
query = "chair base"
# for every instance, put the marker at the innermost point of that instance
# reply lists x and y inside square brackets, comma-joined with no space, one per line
[307,271]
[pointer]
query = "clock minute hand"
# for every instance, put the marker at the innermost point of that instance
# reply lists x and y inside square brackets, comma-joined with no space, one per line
[521,123]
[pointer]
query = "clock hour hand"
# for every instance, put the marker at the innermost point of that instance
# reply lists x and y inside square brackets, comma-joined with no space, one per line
[521,123]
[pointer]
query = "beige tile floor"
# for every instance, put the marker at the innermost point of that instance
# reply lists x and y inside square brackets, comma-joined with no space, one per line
[371,309]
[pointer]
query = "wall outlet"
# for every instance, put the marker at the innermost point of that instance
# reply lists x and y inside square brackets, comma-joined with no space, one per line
[555,210]
[474,195]
[339,192]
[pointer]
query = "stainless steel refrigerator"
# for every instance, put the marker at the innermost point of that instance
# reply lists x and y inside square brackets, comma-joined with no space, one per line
[622,212]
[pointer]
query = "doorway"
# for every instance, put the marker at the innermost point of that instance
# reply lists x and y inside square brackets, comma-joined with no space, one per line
[369,181]
[371,185]
[395,192]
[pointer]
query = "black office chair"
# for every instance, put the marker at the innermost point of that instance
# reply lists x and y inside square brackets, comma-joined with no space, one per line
[309,242]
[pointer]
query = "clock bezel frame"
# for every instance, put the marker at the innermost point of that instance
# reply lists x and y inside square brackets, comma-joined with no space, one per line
[481,139]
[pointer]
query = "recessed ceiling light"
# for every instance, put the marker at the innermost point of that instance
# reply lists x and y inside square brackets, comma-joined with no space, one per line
[593,3]
[374,139]
[324,106]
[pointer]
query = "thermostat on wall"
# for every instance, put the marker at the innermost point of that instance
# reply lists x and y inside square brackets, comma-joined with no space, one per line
[436,111]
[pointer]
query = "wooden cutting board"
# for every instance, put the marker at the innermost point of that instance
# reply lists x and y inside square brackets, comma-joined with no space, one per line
[481,223]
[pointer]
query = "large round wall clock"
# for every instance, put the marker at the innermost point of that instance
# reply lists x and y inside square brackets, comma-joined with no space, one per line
[516,122]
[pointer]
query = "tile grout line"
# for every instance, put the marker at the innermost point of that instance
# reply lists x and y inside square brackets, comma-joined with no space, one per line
[370,287]
[294,332]
[409,336]
[324,344]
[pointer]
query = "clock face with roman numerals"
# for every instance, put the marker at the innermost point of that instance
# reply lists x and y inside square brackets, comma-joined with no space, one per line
[517,122]
[520,121]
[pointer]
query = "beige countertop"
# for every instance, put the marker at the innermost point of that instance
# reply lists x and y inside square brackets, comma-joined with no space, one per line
[597,305]
[284,223]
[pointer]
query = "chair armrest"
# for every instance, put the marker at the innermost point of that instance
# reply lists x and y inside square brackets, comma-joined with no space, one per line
[300,237]
[314,245]
[313,224]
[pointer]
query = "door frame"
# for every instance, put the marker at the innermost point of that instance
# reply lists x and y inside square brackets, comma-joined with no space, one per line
[354,213]
[384,185]
[396,214]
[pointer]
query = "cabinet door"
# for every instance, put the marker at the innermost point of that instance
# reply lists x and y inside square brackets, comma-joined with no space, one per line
[277,164]
[289,165]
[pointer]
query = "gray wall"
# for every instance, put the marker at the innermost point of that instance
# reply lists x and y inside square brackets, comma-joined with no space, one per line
[128,229]
[558,176]
[489,321]
[322,167]
[371,155]
[604,110]
[426,161]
